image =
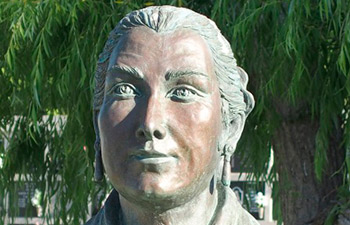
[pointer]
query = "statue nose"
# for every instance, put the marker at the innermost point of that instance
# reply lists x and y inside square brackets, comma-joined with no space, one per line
[152,126]
[144,132]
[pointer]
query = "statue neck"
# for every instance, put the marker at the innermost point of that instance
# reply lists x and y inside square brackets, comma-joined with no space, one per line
[199,210]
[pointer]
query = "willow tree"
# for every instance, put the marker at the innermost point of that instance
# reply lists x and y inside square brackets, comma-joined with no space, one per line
[297,54]
[298,57]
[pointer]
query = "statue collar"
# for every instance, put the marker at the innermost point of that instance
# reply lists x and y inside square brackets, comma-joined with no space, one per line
[228,211]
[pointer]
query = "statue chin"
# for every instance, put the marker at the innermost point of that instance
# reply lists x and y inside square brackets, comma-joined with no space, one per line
[165,196]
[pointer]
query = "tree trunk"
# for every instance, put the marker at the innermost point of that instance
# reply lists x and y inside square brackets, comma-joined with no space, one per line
[304,199]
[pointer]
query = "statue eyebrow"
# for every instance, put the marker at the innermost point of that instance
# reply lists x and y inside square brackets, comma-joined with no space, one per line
[179,73]
[133,71]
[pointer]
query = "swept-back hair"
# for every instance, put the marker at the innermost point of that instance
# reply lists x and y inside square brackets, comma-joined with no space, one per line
[232,80]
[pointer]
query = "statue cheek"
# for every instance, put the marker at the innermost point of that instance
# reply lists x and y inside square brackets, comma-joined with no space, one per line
[114,113]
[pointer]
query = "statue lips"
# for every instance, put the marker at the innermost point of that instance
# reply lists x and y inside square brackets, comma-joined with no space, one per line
[152,161]
[151,156]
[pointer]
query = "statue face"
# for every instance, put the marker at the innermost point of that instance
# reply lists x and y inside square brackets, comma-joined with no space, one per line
[161,117]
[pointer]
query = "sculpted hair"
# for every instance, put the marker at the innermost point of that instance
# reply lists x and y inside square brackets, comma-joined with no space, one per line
[236,100]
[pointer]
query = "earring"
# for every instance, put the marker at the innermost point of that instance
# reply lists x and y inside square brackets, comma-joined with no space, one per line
[98,162]
[226,170]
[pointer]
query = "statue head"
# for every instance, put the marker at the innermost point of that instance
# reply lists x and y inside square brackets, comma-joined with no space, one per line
[181,38]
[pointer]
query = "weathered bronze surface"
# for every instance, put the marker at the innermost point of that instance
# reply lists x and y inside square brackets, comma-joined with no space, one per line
[170,105]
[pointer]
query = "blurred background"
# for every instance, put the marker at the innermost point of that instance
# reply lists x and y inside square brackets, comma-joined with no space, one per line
[293,161]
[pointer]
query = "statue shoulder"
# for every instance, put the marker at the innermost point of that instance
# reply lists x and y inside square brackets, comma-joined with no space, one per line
[231,212]
[97,219]
[107,214]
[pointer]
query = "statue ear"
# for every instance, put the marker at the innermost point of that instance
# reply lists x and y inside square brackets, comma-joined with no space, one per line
[98,157]
[233,133]
[234,130]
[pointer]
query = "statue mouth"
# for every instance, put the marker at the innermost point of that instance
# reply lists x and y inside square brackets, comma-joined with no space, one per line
[151,157]
[155,160]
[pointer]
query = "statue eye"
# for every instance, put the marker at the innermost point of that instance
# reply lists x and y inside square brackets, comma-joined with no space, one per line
[184,94]
[126,90]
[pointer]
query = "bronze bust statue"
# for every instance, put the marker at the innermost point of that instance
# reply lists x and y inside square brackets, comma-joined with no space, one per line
[170,105]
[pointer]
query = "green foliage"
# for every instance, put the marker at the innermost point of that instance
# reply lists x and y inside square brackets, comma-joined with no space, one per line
[300,54]
[49,52]
[344,199]
[294,51]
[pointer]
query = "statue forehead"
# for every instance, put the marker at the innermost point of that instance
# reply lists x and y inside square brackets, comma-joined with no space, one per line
[181,42]
[165,39]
